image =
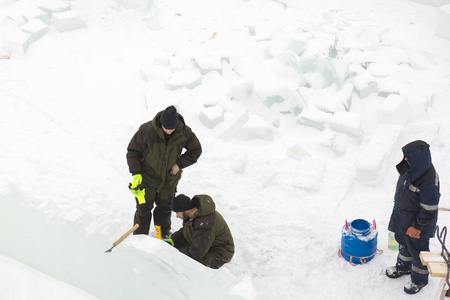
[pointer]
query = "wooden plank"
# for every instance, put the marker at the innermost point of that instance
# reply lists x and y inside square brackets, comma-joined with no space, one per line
[438,269]
[440,294]
[435,263]
[427,257]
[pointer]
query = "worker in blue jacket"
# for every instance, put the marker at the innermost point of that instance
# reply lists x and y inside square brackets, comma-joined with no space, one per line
[415,213]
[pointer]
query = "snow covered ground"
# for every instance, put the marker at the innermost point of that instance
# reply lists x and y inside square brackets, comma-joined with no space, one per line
[301,108]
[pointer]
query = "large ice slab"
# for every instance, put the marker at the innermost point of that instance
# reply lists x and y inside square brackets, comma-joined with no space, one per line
[70,244]
[22,282]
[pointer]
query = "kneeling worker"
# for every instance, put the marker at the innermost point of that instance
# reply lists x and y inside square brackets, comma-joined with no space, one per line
[205,235]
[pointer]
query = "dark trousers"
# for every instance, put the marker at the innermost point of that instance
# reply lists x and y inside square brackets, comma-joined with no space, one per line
[212,261]
[162,212]
[408,256]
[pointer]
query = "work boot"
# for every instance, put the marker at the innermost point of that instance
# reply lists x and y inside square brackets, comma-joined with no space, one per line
[413,288]
[394,272]
[166,234]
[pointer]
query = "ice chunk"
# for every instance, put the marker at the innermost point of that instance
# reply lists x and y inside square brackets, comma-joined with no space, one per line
[211,116]
[378,151]
[297,152]
[394,110]
[188,79]
[384,69]
[364,85]
[443,22]
[314,118]
[17,41]
[271,91]
[36,28]
[319,71]
[237,121]
[346,122]
[55,6]
[257,127]
[282,43]
[35,13]
[346,94]
[329,99]
[241,88]
[390,84]
[67,21]
[209,63]
[341,68]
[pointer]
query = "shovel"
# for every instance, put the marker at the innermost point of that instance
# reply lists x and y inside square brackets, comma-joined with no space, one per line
[123,237]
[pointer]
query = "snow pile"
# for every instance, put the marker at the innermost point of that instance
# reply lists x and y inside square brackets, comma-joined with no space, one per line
[301,109]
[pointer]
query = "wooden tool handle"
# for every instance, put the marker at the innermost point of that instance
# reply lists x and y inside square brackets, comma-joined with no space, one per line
[125,235]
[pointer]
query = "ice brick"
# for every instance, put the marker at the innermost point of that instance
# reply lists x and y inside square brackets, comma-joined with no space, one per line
[314,118]
[211,116]
[346,122]
[67,21]
[36,28]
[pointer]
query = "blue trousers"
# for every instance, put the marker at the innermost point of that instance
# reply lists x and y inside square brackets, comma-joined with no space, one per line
[408,257]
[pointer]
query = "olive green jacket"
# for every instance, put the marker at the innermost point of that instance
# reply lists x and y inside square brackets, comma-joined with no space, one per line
[205,232]
[149,152]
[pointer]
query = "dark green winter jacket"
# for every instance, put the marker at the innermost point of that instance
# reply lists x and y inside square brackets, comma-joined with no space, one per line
[205,233]
[151,154]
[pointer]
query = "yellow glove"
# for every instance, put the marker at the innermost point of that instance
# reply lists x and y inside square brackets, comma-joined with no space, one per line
[140,195]
[137,180]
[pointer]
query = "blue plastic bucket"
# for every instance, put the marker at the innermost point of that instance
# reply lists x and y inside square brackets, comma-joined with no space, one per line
[359,241]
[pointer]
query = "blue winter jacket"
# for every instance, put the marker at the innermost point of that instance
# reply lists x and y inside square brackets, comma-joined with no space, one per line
[417,192]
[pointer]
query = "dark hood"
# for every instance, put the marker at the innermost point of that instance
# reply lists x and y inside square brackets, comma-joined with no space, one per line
[419,158]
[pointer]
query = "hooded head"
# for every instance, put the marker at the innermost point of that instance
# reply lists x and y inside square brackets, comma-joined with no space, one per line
[418,156]
[169,118]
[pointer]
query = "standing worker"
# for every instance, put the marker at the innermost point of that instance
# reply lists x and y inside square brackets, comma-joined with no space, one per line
[415,213]
[155,159]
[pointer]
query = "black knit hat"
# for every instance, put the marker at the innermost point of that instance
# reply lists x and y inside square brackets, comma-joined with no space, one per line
[182,203]
[169,118]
